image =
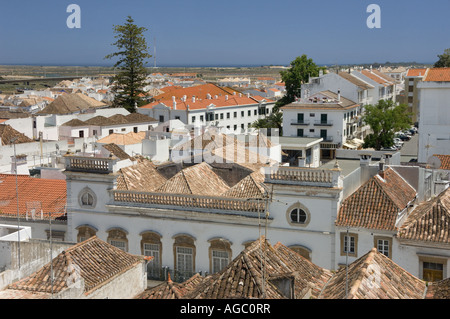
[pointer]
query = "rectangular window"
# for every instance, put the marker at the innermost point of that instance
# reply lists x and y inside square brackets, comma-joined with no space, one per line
[153,268]
[119,244]
[235,114]
[80,133]
[300,118]
[123,129]
[312,114]
[383,246]
[201,118]
[111,131]
[177,117]
[216,116]
[349,244]
[219,260]
[235,127]
[228,115]
[300,132]
[242,113]
[249,113]
[185,261]
[193,119]
[94,132]
[161,118]
[135,129]
[221,116]
[255,112]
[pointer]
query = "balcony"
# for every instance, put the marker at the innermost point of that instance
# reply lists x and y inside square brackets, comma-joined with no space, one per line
[323,123]
[296,122]
[303,176]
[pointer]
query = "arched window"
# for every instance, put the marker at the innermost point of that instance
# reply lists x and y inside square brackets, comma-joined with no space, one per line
[85,232]
[184,257]
[118,238]
[151,246]
[219,254]
[87,198]
[302,251]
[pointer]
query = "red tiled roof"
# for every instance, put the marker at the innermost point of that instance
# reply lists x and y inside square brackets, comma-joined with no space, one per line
[375,77]
[429,222]
[199,91]
[94,260]
[48,195]
[170,289]
[374,276]
[438,75]
[221,101]
[416,72]
[445,161]
[376,204]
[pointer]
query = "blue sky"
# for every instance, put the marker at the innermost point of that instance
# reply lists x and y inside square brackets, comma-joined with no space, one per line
[211,32]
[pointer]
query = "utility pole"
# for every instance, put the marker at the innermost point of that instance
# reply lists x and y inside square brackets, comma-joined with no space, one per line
[13,140]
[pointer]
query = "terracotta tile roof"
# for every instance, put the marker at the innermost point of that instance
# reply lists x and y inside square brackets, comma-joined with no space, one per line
[199,91]
[71,103]
[94,260]
[220,101]
[445,161]
[243,277]
[429,222]
[35,194]
[334,104]
[7,133]
[139,118]
[439,289]
[142,176]
[374,276]
[170,289]
[123,139]
[208,140]
[416,72]
[438,75]
[117,151]
[376,204]
[199,179]
[75,123]
[307,274]
[353,79]
[248,187]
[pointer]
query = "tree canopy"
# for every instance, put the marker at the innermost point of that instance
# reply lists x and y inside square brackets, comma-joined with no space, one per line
[301,69]
[444,60]
[132,52]
[384,119]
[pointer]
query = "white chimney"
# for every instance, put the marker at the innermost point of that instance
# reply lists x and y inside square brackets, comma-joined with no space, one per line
[226,97]
[240,94]
[193,99]
[216,97]
[174,105]
[248,95]
[339,96]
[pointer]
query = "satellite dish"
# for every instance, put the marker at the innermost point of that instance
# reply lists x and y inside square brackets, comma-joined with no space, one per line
[433,162]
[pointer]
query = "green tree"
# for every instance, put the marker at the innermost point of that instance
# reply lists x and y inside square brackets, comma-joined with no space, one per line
[444,60]
[385,118]
[132,52]
[274,120]
[302,68]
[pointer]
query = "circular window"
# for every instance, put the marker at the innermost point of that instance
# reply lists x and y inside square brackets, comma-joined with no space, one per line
[87,198]
[298,216]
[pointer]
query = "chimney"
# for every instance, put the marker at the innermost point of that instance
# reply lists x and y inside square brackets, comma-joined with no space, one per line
[240,94]
[339,95]
[381,167]
[365,159]
[174,105]
[248,95]
[226,97]
[193,99]
[388,158]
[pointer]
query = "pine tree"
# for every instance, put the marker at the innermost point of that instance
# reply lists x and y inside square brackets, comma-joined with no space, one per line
[131,77]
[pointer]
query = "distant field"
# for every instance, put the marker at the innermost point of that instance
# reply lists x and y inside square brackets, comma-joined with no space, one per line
[207,73]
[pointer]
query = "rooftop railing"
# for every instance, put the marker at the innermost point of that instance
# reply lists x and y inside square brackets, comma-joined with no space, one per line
[187,201]
[303,176]
[89,164]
